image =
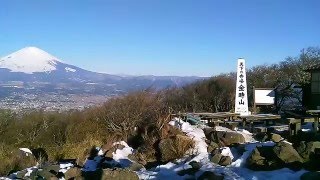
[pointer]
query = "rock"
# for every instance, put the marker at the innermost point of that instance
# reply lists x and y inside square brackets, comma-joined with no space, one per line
[195,165]
[98,174]
[310,176]
[47,174]
[275,137]
[263,159]
[73,173]
[276,157]
[310,152]
[136,166]
[307,149]
[285,152]
[225,161]
[51,167]
[48,171]
[189,171]
[261,136]
[241,148]
[255,159]
[216,158]
[20,175]
[113,149]
[212,146]
[229,138]
[208,175]
[208,131]
[119,174]
[138,157]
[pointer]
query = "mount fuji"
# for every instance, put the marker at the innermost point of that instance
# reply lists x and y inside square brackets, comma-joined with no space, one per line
[34,69]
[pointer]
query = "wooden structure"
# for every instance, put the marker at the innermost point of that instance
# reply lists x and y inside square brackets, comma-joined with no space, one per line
[263,96]
[311,92]
[231,120]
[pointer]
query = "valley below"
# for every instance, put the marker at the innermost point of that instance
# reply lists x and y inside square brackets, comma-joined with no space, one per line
[34,79]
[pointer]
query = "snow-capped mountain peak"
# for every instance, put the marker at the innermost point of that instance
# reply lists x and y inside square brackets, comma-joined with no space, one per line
[29,60]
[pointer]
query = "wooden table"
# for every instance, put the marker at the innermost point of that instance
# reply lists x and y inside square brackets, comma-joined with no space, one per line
[316,115]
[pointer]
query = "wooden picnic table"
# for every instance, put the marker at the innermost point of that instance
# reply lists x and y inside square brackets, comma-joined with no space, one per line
[316,115]
[218,115]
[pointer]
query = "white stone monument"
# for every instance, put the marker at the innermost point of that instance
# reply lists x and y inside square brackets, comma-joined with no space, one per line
[241,103]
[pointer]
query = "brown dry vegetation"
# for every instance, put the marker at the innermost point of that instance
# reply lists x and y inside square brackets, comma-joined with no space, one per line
[140,118]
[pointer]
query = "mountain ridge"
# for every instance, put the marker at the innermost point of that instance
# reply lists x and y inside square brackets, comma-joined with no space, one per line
[32,71]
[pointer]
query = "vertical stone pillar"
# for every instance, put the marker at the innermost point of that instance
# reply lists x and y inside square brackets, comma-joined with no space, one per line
[241,100]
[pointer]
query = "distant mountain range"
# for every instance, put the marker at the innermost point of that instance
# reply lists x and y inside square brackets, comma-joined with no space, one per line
[34,69]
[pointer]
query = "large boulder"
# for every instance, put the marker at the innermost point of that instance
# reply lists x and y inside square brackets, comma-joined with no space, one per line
[136,166]
[112,149]
[224,138]
[307,149]
[119,174]
[212,146]
[207,131]
[73,173]
[275,137]
[195,167]
[263,159]
[138,157]
[261,136]
[287,153]
[225,161]
[208,175]
[174,147]
[19,175]
[310,152]
[274,157]
[220,159]
[49,172]
[216,158]
[310,176]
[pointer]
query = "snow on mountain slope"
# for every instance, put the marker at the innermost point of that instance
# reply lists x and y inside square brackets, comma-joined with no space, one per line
[29,60]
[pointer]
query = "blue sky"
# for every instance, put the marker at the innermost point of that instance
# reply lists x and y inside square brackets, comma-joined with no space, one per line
[161,37]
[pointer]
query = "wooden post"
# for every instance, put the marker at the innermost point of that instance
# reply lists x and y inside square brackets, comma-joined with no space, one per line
[294,126]
[254,102]
[316,123]
[244,122]
[267,122]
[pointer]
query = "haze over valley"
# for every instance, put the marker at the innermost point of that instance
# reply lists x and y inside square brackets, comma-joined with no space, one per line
[34,79]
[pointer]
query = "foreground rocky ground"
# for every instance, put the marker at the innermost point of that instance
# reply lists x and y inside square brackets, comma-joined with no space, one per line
[212,153]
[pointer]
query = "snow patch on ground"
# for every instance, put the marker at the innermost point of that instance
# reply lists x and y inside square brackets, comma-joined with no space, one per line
[121,155]
[26,151]
[236,170]
[226,151]
[65,167]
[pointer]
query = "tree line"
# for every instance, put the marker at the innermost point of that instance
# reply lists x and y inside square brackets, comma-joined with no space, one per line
[140,118]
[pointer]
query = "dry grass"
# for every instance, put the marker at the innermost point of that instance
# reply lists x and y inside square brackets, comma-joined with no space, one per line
[78,151]
[13,160]
[181,145]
